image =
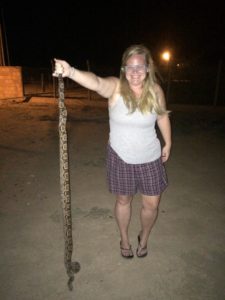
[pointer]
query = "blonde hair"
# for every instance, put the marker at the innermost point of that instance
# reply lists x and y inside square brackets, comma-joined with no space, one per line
[148,101]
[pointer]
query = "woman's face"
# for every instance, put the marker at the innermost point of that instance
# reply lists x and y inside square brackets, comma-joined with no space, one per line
[136,70]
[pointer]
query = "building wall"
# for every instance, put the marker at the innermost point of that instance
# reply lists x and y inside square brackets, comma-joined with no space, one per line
[11,83]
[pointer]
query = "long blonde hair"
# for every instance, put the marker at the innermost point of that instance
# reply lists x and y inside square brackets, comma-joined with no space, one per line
[148,101]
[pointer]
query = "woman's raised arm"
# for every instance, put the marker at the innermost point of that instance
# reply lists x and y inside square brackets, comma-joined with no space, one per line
[105,87]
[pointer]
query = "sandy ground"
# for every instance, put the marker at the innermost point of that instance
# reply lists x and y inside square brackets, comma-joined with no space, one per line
[187,246]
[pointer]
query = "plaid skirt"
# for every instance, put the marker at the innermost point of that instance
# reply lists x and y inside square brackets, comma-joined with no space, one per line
[128,179]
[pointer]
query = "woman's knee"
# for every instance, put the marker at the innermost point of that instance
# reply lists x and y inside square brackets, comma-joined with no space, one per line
[123,199]
[150,202]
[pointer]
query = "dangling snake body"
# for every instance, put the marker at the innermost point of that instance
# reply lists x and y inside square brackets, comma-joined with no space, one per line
[71,267]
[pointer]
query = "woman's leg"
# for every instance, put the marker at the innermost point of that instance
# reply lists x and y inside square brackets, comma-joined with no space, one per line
[123,215]
[148,216]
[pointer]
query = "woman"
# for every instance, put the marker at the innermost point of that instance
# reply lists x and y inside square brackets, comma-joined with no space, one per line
[135,158]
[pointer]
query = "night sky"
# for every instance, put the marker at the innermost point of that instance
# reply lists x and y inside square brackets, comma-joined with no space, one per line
[35,34]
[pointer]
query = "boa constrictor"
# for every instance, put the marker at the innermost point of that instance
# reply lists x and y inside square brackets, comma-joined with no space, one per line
[71,267]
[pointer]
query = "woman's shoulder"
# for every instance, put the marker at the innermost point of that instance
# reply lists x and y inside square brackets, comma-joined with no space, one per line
[159,94]
[116,94]
[106,86]
[157,88]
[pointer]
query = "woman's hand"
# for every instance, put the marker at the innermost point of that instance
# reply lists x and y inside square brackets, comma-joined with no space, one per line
[165,153]
[62,67]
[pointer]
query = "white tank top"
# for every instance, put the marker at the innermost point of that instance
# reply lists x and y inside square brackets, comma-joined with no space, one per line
[132,135]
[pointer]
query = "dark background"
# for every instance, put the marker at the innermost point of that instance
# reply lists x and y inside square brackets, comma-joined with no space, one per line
[96,34]
[80,31]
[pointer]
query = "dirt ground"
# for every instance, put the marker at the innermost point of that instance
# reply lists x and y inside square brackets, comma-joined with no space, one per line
[187,245]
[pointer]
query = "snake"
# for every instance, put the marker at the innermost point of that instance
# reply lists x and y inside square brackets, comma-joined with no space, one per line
[71,267]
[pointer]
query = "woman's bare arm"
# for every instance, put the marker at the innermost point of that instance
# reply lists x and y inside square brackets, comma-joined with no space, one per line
[103,86]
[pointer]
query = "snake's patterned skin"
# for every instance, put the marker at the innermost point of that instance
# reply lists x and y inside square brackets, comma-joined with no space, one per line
[71,267]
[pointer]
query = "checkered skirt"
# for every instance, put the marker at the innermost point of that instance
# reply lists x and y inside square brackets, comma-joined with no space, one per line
[128,179]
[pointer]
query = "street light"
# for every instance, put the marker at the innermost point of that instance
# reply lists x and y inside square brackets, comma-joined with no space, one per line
[166,56]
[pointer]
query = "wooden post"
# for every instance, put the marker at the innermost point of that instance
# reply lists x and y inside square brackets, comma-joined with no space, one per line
[2,54]
[42,83]
[88,68]
[54,87]
[169,82]
[219,69]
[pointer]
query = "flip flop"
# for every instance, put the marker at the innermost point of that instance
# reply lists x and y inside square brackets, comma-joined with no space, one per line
[141,251]
[126,252]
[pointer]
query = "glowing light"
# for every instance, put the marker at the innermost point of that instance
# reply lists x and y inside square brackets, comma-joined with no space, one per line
[166,56]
